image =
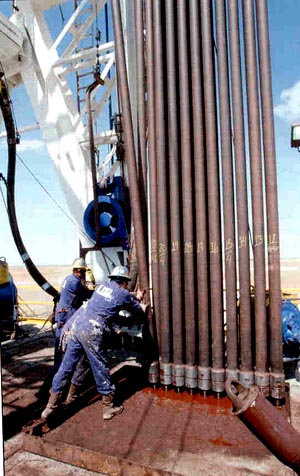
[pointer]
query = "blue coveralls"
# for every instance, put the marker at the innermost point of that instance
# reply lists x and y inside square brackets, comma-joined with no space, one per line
[90,324]
[72,295]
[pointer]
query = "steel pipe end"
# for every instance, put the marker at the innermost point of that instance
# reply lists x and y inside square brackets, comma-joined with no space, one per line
[262,380]
[154,367]
[232,374]
[241,396]
[204,373]
[246,378]
[178,375]
[178,370]
[191,376]
[204,378]
[218,380]
[277,386]
[153,378]
[153,373]
[166,374]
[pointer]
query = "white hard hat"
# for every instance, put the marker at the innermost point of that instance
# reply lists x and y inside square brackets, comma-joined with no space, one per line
[79,263]
[119,272]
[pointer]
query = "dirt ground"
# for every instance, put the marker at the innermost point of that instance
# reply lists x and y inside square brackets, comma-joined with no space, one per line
[34,301]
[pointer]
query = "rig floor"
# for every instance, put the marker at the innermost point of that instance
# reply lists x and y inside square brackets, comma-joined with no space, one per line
[159,433]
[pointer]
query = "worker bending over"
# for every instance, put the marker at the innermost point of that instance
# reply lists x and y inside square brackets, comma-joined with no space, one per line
[73,294]
[90,326]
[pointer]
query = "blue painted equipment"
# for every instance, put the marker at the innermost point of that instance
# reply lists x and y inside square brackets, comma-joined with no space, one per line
[113,216]
[290,328]
[8,300]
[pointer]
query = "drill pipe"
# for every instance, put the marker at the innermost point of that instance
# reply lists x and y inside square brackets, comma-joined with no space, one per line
[152,159]
[267,422]
[200,196]
[228,197]
[187,191]
[175,196]
[162,197]
[213,198]
[276,363]
[261,361]
[140,71]
[246,373]
[135,195]
[90,89]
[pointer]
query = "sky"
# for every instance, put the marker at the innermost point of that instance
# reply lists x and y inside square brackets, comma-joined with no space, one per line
[49,234]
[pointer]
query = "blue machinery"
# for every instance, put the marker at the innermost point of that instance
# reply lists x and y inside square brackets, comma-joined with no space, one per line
[114,215]
[8,299]
[291,338]
[290,329]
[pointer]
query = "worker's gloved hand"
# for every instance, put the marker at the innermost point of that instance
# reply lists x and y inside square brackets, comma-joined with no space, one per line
[140,294]
[144,306]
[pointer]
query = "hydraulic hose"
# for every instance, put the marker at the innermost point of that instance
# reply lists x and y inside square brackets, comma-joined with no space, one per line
[6,110]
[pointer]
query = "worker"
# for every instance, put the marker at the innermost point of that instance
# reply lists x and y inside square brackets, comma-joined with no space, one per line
[91,324]
[73,293]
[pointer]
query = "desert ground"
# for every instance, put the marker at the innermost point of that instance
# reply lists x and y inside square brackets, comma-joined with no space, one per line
[33,301]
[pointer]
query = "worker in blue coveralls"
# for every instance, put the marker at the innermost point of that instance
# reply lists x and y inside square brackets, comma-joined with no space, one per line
[90,325]
[73,294]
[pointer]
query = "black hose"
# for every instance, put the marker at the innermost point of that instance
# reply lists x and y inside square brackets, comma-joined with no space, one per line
[6,110]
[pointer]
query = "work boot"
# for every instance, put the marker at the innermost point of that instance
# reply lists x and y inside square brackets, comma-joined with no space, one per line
[109,408]
[73,393]
[51,405]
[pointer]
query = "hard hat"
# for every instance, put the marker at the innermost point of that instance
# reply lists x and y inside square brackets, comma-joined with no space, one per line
[79,263]
[119,272]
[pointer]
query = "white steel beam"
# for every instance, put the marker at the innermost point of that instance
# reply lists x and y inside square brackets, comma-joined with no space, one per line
[55,110]
[78,33]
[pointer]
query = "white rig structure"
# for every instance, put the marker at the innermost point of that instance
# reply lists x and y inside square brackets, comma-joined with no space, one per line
[29,55]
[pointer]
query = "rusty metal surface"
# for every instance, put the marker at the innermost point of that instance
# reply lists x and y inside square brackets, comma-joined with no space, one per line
[152,188]
[23,463]
[271,196]
[187,190]
[269,424]
[213,196]
[241,190]
[175,190]
[98,81]
[228,192]
[141,108]
[159,433]
[261,351]
[162,186]
[136,197]
[200,188]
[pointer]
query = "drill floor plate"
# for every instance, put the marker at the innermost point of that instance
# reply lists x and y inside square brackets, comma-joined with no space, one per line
[159,433]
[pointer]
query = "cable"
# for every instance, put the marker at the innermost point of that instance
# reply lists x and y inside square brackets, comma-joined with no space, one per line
[6,109]
[52,198]
[11,105]
[2,178]
[106,257]
[62,15]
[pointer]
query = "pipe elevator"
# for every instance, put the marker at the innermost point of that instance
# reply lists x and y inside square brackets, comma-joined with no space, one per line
[204,155]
